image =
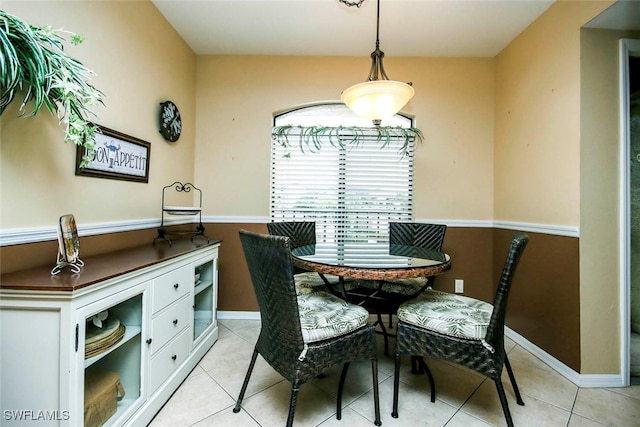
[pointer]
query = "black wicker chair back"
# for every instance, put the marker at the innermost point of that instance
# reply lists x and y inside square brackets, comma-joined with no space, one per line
[495,330]
[271,271]
[280,342]
[422,235]
[381,302]
[301,233]
[486,356]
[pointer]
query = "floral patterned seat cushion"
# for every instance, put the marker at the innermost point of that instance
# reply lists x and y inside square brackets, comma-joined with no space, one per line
[311,281]
[449,314]
[324,316]
[404,286]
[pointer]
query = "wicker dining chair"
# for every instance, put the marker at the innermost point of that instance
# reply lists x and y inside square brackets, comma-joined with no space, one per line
[303,335]
[389,294]
[301,233]
[462,330]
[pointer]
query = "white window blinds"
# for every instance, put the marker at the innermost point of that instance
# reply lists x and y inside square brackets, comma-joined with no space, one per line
[351,192]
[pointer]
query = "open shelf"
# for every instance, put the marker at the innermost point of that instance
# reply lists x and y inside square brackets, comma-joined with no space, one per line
[130,332]
[181,210]
[167,209]
[202,286]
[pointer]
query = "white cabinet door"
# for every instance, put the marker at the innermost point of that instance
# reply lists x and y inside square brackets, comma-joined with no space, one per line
[125,356]
[205,295]
[37,345]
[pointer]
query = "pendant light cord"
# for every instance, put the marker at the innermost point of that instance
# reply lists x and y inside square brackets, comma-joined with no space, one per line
[377,69]
[378,27]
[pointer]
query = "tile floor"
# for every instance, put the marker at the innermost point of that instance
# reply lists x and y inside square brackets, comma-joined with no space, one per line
[464,398]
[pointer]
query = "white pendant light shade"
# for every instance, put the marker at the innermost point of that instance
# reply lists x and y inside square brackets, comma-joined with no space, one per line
[377,100]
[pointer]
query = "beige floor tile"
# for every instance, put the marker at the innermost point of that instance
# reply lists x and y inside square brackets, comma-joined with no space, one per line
[226,350]
[462,419]
[453,384]
[228,418]
[271,406]
[358,382]
[208,395]
[239,324]
[197,398]
[223,331]
[250,334]
[578,421]
[607,407]
[197,371]
[509,344]
[485,405]
[230,376]
[632,391]
[414,407]
[536,379]
[350,418]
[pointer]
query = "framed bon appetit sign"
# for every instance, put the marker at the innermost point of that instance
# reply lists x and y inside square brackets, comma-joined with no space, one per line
[117,156]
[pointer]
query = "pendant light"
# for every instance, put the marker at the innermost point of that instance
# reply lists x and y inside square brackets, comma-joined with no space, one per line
[378,98]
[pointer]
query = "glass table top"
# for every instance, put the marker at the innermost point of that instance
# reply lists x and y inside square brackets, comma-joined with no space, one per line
[370,255]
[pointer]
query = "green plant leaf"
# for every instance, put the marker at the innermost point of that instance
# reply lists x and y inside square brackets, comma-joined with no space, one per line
[33,62]
[311,138]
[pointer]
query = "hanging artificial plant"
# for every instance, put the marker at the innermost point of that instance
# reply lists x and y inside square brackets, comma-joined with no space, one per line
[33,63]
[311,138]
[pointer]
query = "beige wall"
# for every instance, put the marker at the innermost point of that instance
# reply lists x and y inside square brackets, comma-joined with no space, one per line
[453,107]
[528,100]
[235,100]
[600,189]
[538,163]
[139,61]
[537,139]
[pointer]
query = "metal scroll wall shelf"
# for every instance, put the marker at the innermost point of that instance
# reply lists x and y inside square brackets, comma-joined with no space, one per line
[179,187]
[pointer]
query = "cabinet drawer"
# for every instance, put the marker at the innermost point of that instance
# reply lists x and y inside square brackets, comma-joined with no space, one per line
[171,286]
[166,325]
[168,359]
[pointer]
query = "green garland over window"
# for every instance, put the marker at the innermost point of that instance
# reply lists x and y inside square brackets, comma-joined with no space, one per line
[311,138]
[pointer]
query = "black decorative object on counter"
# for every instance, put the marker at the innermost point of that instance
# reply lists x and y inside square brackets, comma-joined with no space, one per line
[179,187]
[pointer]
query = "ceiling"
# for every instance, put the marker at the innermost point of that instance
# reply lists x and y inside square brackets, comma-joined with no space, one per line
[432,28]
[436,28]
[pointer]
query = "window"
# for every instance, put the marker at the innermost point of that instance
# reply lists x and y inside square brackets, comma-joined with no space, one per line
[351,192]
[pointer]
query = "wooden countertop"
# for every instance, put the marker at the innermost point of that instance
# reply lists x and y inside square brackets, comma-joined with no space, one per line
[100,267]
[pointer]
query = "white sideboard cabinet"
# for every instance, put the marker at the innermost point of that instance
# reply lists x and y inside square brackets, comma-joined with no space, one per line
[164,296]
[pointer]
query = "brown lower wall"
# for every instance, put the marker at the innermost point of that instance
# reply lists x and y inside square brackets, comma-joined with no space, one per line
[544,305]
[20,257]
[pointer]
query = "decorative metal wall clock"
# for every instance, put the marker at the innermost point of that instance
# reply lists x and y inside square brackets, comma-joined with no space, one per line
[170,121]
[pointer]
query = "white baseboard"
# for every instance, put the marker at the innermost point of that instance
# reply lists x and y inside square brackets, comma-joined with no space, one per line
[239,315]
[581,380]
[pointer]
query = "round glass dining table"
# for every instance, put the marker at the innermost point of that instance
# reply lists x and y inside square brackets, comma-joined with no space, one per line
[370,261]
